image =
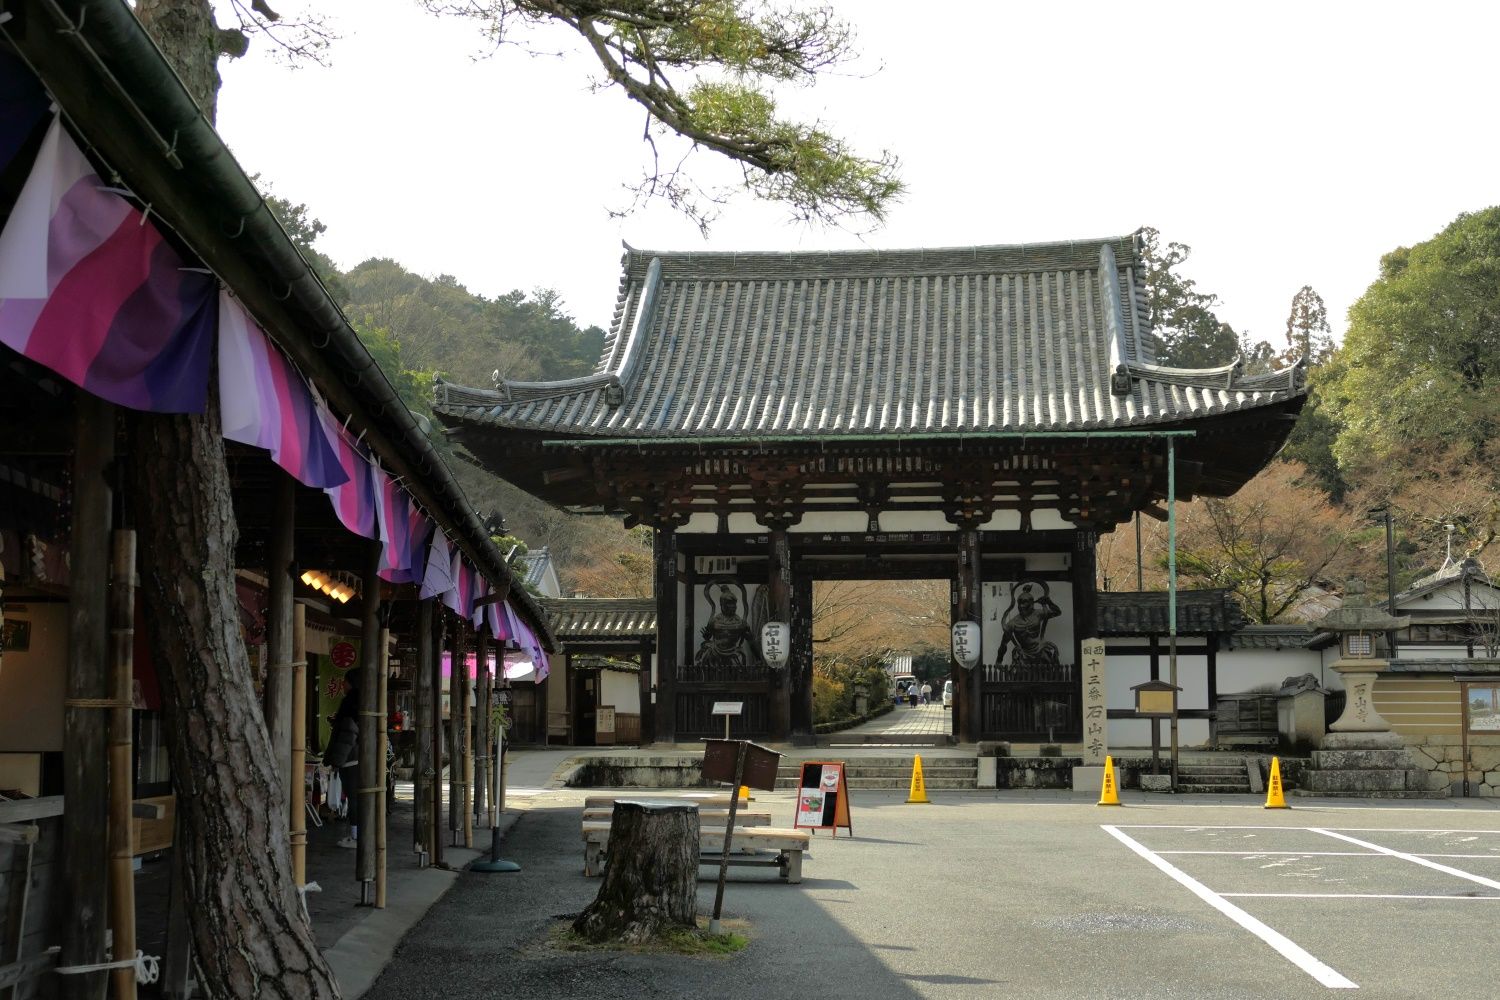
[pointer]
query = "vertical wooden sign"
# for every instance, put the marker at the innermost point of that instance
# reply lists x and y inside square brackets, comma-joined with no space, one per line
[823,797]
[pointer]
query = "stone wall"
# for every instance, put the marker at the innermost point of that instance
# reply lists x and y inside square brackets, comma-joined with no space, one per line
[1442,757]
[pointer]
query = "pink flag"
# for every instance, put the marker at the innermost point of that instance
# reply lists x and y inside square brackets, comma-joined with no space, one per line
[266,403]
[90,289]
[354,499]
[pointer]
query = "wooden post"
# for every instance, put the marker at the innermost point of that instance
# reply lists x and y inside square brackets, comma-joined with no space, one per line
[434,833]
[665,587]
[779,582]
[278,695]
[800,666]
[85,854]
[121,770]
[1212,667]
[456,668]
[644,685]
[423,771]
[297,802]
[466,729]
[967,609]
[381,724]
[371,764]
[481,726]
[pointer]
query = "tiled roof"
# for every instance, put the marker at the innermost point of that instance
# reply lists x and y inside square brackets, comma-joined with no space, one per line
[1199,612]
[598,619]
[1479,667]
[1271,637]
[976,339]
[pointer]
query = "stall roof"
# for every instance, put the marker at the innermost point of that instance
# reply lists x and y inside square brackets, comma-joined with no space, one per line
[120,95]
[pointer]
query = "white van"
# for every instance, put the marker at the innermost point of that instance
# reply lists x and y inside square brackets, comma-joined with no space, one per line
[948,694]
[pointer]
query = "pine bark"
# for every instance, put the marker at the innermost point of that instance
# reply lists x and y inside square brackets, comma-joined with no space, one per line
[248,932]
[651,878]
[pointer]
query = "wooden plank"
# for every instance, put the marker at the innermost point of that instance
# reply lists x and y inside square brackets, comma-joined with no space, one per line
[27,969]
[604,815]
[703,799]
[26,810]
[152,835]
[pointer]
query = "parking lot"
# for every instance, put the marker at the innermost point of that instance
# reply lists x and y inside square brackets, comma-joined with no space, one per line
[1029,895]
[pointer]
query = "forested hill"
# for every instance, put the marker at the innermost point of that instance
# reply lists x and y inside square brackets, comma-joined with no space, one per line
[445,328]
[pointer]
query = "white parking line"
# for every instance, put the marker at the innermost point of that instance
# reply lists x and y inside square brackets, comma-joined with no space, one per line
[1299,854]
[1343,895]
[1413,858]
[1289,949]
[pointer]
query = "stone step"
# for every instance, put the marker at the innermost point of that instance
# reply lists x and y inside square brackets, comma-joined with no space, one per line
[1402,794]
[866,763]
[884,784]
[896,772]
[1186,783]
[1354,782]
[1361,760]
[1212,772]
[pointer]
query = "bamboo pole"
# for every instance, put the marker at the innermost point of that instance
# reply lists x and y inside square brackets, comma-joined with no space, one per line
[279,584]
[481,727]
[422,773]
[371,766]
[298,789]
[121,785]
[434,832]
[457,655]
[384,661]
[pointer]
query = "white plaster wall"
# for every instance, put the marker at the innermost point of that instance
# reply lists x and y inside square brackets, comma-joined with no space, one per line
[1243,670]
[837,522]
[1124,672]
[620,690]
[1450,597]
[34,683]
[897,521]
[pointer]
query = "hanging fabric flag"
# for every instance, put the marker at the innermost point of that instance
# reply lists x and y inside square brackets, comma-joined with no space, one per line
[89,289]
[266,403]
[481,591]
[419,532]
[496,621]
[354,499]
[23,107]
[453,596]
[437,579]
[394,512]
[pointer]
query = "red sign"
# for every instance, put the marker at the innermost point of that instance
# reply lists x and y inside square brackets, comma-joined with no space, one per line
[342,655]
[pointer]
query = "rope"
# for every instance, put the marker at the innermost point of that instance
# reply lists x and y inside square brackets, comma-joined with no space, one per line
[147,967]
[96,703]
[290,663]
[302,891]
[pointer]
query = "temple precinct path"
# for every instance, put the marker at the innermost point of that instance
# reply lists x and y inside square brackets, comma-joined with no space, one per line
[986,894]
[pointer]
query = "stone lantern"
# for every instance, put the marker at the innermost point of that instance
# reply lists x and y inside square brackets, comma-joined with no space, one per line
[1361,632]
[1361,756]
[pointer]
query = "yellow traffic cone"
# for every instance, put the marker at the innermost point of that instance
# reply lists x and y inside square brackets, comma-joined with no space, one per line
[918,791]
[1109,792]
[1275,796]
[745,794]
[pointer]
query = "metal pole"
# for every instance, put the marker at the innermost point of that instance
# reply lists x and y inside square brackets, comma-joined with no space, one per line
[1390,578]
[1172,592]
[734,803]
[1140,570]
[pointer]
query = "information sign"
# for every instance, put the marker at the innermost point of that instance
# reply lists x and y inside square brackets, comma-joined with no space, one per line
[823,797]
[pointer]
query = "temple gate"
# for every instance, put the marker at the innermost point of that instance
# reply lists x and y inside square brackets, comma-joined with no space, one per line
[975,414]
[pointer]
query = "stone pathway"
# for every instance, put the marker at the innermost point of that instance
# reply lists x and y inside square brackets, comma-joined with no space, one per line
[924,720]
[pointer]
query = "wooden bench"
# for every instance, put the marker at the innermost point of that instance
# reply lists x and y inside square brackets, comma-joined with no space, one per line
[754,846]
[706,817]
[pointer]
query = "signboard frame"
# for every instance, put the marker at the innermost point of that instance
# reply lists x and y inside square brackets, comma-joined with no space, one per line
[814,790]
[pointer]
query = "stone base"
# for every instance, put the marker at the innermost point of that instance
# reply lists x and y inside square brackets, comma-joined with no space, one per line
[1089,779]
[1362,741]
[1156,782]
[987,773]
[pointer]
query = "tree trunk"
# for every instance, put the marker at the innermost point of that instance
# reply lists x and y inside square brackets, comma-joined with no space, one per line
[248,933]
[651,879]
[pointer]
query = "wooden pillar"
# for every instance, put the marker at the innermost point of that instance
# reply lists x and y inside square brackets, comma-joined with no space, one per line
[1213,687]
[121,765]
[967,609]
[466,730]
[779,580]
[482,739]
[435,747]
[371,764]
[1085,605]
[456,668]
[279,584]
[665,588]
[297,800]
[800,666]
[85,853]
[423,772]
[381,751]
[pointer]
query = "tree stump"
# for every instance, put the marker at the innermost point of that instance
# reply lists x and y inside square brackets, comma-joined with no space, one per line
[651,876]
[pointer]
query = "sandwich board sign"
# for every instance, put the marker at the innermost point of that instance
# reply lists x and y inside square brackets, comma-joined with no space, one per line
[823,797]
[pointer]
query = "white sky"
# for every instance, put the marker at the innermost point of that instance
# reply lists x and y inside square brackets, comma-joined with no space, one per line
[1287,143]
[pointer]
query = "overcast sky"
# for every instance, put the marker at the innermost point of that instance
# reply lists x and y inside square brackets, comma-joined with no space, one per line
[1288,144]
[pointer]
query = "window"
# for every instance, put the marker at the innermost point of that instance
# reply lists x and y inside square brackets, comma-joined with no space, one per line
[1482,707]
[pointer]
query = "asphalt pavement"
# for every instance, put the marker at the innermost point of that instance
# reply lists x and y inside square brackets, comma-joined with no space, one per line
[986,895]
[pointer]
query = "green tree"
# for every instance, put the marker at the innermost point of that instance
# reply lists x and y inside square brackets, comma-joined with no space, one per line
[1307,332]
[1420,363]
[1187,333]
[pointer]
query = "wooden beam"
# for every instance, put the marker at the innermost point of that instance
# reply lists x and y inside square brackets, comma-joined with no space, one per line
[85,853]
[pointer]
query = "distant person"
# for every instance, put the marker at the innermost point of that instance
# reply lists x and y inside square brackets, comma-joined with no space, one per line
[912,694]
[926,693]
[343,751]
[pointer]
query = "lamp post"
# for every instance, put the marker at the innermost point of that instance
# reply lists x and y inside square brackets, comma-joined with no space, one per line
[1384,513]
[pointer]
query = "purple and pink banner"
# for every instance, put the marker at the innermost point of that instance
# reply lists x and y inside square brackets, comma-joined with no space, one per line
[92,291]
[266,403]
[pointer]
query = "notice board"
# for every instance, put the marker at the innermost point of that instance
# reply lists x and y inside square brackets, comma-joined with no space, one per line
[823,797]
